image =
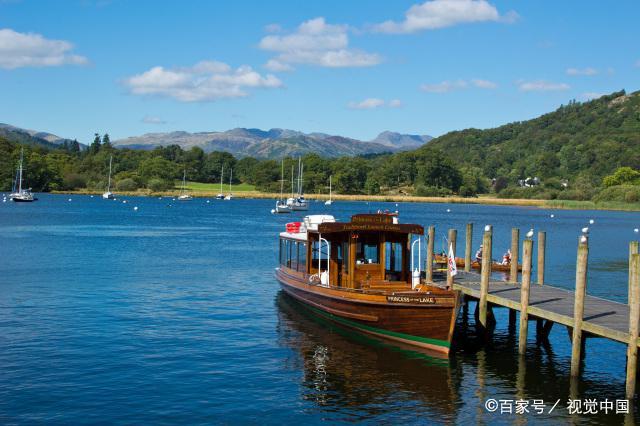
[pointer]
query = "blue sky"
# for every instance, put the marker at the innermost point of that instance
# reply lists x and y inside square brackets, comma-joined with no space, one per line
[351,68]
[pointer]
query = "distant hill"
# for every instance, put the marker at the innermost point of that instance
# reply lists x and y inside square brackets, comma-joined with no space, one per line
[401,141]
[589,139]
[32,137]
[275,143]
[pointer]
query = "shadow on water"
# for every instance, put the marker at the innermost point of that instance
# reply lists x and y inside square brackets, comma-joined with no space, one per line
[361,376]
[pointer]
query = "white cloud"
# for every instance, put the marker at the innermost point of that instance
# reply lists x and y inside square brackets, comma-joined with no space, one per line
[369,103]
[372,103]
[590,96]
[316,43]
[277,66]
[582,71]
[33,50]
[205,81]
[542,86]
[150,119]
[451,85]
[436,14]
[443,87]
[484,84]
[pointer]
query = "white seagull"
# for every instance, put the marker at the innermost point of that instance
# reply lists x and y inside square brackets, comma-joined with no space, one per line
[585,230]
[530,233]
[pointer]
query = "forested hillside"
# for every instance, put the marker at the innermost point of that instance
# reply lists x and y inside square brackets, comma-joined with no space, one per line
[581,151]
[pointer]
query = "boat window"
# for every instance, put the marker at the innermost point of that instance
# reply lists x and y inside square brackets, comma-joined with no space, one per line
[343,255]
[293,255]
[302,257]
[367,250]
[283,252]
[393,261]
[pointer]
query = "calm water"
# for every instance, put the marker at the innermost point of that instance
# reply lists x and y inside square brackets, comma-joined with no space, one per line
[171,314]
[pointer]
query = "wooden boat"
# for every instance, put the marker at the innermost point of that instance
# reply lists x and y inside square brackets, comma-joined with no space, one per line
[495,266]
[361,274]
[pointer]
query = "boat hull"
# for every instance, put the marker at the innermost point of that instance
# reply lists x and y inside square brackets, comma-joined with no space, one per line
[426,325]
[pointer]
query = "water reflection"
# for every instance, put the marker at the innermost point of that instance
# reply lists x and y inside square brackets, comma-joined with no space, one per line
[344,369]
[361,377]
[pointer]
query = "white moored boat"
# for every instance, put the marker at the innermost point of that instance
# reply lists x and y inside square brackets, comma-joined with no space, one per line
[108,195]
[19,194]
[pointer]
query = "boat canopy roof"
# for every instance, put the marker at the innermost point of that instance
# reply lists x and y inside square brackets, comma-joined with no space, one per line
[375,222]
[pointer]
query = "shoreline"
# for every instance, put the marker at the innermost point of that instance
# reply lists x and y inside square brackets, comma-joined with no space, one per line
[484,200]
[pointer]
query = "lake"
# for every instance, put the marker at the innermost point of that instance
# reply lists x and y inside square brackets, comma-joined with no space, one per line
[171,313]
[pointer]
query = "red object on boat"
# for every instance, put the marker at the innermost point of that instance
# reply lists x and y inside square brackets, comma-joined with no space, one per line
[293,227]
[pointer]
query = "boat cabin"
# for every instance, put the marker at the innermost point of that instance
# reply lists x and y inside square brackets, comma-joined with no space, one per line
[372,251]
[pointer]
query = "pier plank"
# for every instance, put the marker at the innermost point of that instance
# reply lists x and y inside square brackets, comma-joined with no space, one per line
[604,318]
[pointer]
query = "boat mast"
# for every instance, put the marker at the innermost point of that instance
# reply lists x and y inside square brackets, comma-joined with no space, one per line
[230,178]
[109,182]
[282,180]
[221,176]
[184,181]
[329,187]
[292,196]
[20,178]
[299,172]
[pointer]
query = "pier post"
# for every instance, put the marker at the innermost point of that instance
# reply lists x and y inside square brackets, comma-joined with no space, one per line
[485,274]
[431,236]
[633,249]
[453,234]
[515,243]
[527,249]
[468,248]
[634,317]
[578,309]
[542,241]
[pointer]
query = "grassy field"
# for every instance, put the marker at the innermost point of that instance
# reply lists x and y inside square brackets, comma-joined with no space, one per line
[215,187]
[207,190]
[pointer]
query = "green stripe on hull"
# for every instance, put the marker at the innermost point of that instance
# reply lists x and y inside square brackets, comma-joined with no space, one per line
[436,342]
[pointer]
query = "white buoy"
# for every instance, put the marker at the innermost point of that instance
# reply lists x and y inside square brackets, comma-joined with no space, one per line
[448,210]
[591,221]
[124,201]
[92,196]
[585,230]
[552,216]
[69,199]
[135,208]
[636,230]
[273,211]
[208,201]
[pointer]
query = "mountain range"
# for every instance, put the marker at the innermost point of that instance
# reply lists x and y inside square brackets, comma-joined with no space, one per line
[242,142]
[275,143]
[33,137]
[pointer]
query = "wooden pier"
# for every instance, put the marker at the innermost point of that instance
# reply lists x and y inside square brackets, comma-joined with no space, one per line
[583,315]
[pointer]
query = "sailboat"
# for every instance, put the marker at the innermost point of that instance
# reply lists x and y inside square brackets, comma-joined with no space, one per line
[230,196]
[20,195]
[109,195]
[220,195]
[183,192]
[297,202]
[329,201]
[281,204]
